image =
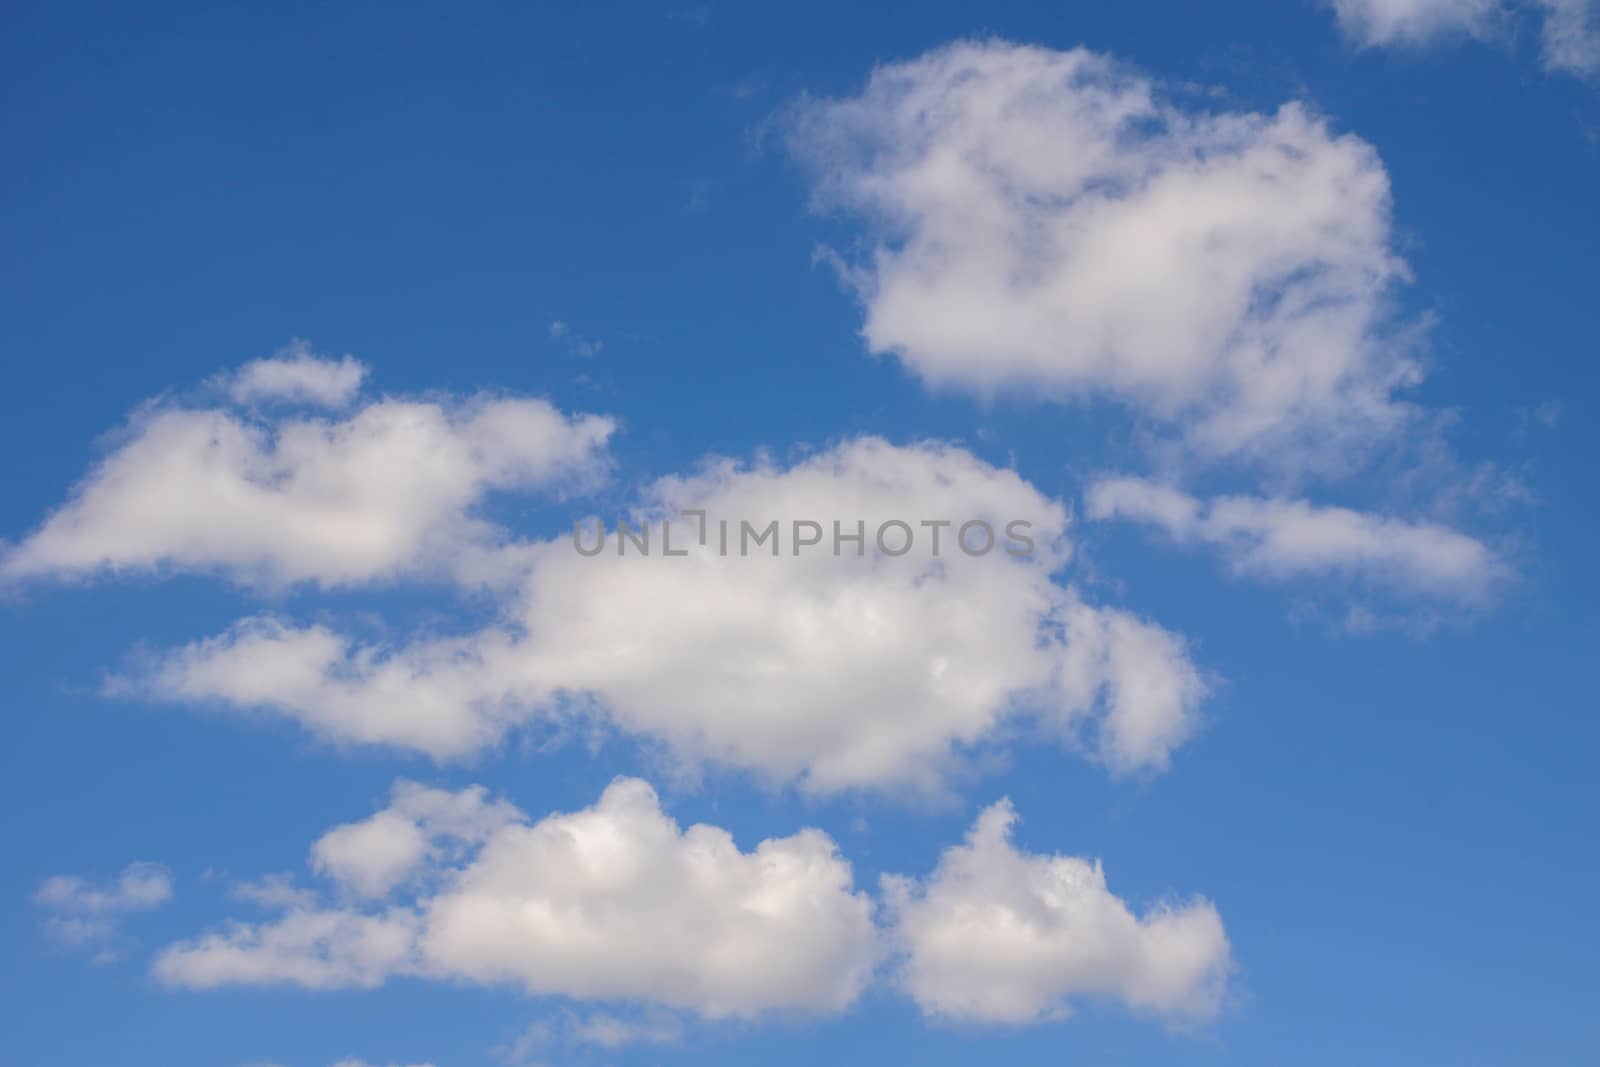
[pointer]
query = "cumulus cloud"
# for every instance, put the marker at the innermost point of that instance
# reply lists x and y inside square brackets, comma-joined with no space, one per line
[298,376]
[84,914]
[615,902]
[1278,539]
[1569,29]
[374,855]
[1052,223]
[389,490]
[999,935]
[837,671]
[1412,22]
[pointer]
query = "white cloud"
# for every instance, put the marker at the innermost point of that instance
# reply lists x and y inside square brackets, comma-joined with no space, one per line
[371,857]
[1053,224]
[274,892]
[1571,35]
[84,914]
[615,902]
[998,935]
[603,1030]
[296,375]
[317,949]
[835,671]
[1281,539]
[1569,29]
[575,343]
[1413,22]
[392,489]
[614,1032]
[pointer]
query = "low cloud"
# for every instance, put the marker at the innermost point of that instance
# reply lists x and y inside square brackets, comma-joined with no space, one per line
[280,498]
[836,671]
[614,902]
[999,935]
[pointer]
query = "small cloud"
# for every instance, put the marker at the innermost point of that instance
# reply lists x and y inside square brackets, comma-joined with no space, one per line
[296,375]
[601,1030]
[83,915]
[274,892]
[575,343]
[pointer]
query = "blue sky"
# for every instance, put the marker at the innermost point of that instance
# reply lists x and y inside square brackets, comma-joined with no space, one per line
[1305,669]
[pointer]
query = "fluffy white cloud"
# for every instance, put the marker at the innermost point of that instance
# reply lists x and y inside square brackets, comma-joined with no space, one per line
[278,500]
[1279,539]
[1569,30]
[317,949]
[373,856]
[296,375]
[838,671]
[1052,223]
[999,935]
[613,902]
[83,913]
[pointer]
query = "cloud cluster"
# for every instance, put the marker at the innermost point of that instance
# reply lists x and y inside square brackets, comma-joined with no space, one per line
[999,935]
[1279,539]
[83,914]
[286,498]
[615,902]
[1052,223]
[836,671]
[618,903]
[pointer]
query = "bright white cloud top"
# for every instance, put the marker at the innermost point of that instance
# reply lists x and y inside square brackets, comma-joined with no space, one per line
[615,902]
[618,903]
[285,498]
[999,935]
[837,672]
[1280,539]
[1051,222]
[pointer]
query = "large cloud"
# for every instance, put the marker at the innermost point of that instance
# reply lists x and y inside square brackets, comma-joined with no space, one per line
[1051,222]
[999,935]
[615,902]
[283,498]
[1279,538]
[838,671]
